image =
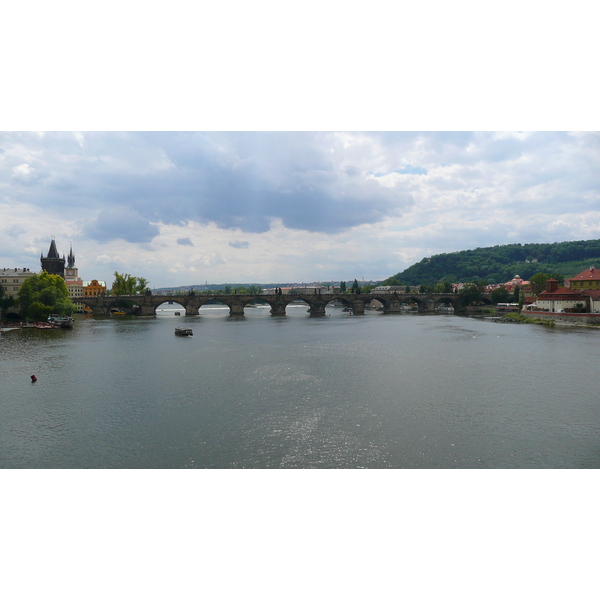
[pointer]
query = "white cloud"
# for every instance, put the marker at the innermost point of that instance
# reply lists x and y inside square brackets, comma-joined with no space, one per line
[284,206]
[23,171]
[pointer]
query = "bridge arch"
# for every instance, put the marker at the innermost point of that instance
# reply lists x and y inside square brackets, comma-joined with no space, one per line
[445,300]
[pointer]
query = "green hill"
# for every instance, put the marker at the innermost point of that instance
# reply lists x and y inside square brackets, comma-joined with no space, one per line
[499,264]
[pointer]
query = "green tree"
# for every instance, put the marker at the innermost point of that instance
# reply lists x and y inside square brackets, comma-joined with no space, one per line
[500,294]
[471,294]
[538,283]
[342,286]
[516,294]
[43,295]
[142,285]
[355,289]
[6,301]
[127,285]
[392,281]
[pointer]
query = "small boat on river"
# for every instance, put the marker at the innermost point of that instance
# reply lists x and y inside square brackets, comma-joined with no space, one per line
[183,331]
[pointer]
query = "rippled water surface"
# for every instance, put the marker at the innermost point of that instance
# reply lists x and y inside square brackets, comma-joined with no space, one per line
[373,391]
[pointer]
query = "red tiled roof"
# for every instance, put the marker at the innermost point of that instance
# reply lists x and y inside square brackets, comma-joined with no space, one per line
[563,293]
[591,274]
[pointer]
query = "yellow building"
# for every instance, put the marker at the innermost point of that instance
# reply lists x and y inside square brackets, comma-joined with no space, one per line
[93,288]
[586,280]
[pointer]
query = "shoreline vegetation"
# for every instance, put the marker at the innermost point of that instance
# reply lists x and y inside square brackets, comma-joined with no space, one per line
[521,318]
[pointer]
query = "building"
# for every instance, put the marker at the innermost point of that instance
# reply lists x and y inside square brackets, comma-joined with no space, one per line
[11,280]
[74,283]
[92,288]
[586,280]
[557,299]
[52,263]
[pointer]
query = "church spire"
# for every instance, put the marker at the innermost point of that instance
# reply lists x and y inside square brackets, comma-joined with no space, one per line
[71,261]
[53,252]
[53,264]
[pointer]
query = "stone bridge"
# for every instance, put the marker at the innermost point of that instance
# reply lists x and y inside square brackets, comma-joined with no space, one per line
[146,305]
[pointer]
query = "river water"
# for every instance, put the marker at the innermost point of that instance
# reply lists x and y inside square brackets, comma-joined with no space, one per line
[374,391]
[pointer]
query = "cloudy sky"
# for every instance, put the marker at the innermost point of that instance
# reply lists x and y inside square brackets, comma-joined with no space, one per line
[185,208]
[265,145]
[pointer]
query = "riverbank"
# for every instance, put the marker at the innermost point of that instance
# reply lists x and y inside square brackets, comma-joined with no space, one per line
[550,320]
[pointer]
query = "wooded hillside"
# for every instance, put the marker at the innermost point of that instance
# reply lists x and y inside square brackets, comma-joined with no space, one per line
[499,264]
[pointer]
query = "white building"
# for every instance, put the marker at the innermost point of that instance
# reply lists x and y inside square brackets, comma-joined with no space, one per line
[11,280]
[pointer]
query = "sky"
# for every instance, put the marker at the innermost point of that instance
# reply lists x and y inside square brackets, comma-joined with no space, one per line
[185,208]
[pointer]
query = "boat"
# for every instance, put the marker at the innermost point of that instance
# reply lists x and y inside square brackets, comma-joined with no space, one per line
[118,312]
[183,331]
[60,321]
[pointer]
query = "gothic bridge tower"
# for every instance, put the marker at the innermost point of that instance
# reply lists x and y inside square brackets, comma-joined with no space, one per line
[53,264]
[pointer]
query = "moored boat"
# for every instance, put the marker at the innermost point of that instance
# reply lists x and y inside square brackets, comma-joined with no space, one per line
[61,321]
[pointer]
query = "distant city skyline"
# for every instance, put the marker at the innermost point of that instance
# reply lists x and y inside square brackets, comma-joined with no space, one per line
[184,208]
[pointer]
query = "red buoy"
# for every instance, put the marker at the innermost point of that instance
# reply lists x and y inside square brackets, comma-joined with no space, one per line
[33,379]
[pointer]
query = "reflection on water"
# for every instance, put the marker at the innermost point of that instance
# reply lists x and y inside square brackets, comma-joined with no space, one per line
[373,391]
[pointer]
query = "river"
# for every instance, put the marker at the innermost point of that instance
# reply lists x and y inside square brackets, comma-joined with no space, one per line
[374,391]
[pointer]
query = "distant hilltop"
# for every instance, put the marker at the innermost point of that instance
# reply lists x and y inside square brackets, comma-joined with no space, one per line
[498,264]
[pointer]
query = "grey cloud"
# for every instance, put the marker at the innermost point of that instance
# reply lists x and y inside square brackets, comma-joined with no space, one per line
[121,223]
[311,181]
[239,244]
[185,241]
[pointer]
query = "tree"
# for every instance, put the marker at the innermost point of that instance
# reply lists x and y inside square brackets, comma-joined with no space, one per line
[471,294]
[126,285]
[516,294]
[392,281]
[500,294]
[538,283]
[342,286]
[355,289]
[43,295]
[6,301]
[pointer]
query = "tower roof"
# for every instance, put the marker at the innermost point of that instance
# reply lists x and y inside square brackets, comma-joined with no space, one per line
[71,261]
[53,252]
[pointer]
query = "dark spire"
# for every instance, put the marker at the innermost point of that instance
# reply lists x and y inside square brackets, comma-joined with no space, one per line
[53,252]
[53,264]
[71,262]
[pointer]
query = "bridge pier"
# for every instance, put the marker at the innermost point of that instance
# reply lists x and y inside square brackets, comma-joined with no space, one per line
[393,307]
[191,310]
[428,305]
[358,307]
[317,309]
[236,309]
[278,309]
